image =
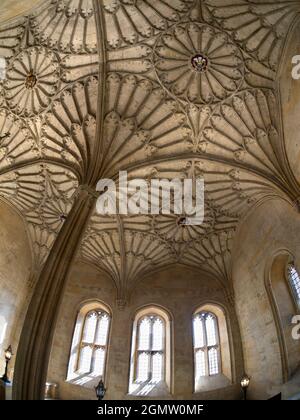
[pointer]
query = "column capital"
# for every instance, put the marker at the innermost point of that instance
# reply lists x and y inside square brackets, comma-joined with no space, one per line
[297,204]
[230,298]
[121,304]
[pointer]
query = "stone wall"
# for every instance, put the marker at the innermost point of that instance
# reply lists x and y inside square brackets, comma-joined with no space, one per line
[272,227]
[15,266]
[179,290]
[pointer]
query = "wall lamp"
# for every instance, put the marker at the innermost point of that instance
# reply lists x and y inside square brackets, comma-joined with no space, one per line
[245,382]
[100,390]
[8,355]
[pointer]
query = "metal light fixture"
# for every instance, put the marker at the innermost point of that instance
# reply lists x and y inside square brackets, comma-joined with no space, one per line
[100,390]
[245,382]
[8,355]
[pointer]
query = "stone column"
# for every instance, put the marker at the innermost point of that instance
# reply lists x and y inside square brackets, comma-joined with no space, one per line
[5,391]
[38,329]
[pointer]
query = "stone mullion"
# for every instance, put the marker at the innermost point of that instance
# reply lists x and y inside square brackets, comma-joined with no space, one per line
[205,347]
[38,329]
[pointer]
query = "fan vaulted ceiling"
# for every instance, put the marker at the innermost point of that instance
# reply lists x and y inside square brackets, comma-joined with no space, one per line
[118,76]
[13,8]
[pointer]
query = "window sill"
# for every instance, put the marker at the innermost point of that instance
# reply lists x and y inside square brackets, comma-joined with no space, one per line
[150,390]
[211,383]
[84,381]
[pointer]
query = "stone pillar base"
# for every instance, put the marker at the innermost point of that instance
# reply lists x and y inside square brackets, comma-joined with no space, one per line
[5,391]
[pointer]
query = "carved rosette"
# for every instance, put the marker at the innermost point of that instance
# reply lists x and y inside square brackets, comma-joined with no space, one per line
[33,78]
[198,64]
[176,228]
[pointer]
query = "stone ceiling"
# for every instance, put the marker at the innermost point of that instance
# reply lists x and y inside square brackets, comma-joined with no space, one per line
[12,8]
[117,76]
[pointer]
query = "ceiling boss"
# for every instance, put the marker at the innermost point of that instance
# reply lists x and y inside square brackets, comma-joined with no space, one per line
[31,80]
[199,63]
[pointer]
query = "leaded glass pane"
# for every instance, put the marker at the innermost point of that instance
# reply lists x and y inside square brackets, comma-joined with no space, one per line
[143,367]
[144,334]
[295,281]
[90,328]
[213,362]
[99,359]
[102,330]
[198,332]
[85,359]
[157,366]
[200,363]
[211,335]
[158,335]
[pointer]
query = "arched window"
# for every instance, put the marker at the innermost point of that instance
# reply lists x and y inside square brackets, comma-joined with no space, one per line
[89,345]
[294,281]
[212,348]
[150,355]
[206,345]
[93,347]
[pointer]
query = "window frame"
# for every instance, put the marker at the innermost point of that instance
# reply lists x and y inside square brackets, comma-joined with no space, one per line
[206,348]
[73,374]
[295,297]
[151,352]
[82,344]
